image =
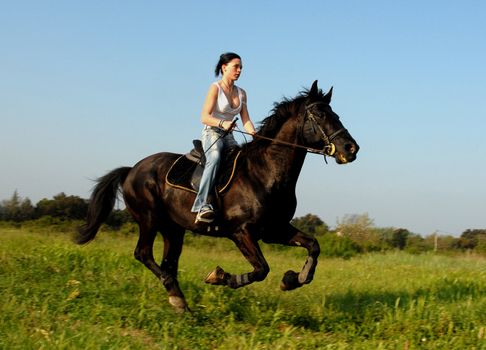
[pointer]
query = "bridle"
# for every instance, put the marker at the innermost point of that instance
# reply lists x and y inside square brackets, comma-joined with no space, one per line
[329,148]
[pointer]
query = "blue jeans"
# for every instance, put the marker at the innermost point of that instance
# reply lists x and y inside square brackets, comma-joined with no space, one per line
[214,144]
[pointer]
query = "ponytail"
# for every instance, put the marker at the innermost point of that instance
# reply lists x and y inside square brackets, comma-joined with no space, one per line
[224,59]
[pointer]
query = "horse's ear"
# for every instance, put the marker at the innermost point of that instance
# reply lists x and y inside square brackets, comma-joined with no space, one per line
[314,90]
[327,97]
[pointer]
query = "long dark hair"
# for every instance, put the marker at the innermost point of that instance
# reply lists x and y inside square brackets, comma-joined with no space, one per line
[225,59]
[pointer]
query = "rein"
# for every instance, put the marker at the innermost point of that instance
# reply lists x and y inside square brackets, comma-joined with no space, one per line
[295,145]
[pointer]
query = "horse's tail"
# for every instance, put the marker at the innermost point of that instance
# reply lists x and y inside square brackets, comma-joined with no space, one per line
[101,203]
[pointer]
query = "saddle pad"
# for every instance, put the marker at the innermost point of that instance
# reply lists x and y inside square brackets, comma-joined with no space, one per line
[181,172]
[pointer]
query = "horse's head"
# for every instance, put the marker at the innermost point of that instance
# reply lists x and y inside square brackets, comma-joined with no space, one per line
[322,128]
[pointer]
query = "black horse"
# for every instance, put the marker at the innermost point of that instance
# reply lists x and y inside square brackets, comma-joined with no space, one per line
[258,204]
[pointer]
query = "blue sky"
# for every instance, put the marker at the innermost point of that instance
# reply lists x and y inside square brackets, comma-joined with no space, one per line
[89,86]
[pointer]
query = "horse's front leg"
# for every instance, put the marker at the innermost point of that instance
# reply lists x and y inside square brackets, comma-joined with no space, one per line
[251,250]
[294,237]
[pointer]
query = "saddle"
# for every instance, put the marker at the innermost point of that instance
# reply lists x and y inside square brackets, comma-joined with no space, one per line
[186,171]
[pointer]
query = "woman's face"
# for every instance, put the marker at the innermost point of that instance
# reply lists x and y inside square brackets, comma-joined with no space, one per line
[232,69]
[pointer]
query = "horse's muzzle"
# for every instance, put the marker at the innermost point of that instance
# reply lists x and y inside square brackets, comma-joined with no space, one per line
[347,154]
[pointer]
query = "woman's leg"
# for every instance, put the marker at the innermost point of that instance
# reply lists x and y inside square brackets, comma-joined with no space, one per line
[213,145]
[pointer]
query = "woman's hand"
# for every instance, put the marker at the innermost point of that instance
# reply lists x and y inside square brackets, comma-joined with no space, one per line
[227,125]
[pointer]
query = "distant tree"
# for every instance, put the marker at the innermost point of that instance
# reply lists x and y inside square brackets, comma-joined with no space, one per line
[470,238]
[399,238]
[417,244]
[63,206]
[481,245]
[447,242]
[27,210]
[310,224]
[17,209]
[11,207]
[473,233]
[361,230]
[465,243]
[117,218]
[356,221]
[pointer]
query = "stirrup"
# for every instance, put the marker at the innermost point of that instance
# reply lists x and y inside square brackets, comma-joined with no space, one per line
[206,214]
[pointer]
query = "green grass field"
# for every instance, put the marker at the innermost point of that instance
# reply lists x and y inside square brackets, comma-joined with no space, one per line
[56,295]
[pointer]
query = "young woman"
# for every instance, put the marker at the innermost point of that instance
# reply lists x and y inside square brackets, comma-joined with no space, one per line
[223,102]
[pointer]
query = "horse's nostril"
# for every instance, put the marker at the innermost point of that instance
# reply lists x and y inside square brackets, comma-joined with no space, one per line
[349,147]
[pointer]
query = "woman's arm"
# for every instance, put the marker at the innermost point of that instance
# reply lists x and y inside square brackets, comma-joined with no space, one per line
[245,116]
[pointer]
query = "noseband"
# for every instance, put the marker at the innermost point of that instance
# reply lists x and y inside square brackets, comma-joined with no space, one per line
[329,148]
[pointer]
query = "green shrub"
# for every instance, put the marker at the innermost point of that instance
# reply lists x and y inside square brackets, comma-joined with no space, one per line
[417,244]
[481,245]
[333,245]
[49,223]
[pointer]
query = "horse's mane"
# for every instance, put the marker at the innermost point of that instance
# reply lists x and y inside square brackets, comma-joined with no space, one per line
[278,116]
[280,113]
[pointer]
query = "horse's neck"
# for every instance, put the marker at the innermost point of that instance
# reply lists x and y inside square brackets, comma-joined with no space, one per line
[284,162]
[285,166]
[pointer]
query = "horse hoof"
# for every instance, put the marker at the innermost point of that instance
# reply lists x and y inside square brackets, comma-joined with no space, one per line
[216,277]
[290,281]
[179,304]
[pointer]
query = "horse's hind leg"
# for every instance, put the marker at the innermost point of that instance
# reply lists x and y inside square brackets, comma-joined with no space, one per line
[251,250]
[296,238]
[173,240]
[167,273]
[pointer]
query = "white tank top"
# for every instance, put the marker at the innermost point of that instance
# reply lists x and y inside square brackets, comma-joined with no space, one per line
[223,109]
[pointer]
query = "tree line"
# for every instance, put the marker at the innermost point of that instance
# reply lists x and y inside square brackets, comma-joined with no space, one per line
[61,207]
[357,233]
[353,234]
